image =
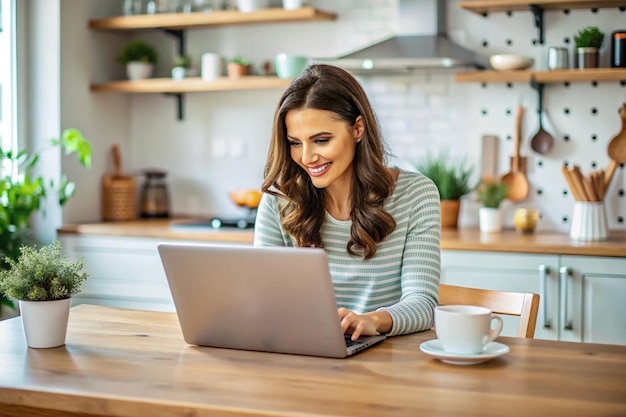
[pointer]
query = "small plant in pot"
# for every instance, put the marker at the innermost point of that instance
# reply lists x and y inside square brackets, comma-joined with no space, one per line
[43,281]
[180,65]
[588,42]
[491,195]
[139,58]
[238,67]
[452,181]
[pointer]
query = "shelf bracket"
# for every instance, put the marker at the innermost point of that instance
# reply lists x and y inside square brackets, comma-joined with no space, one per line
[179,34]
[538,14]
[539,88]
[179,103]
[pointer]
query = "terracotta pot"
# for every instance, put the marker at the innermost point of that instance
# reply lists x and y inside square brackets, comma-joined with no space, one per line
[237,70]
[450,212]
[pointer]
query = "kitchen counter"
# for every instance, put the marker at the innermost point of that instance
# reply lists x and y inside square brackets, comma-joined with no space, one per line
[451,239]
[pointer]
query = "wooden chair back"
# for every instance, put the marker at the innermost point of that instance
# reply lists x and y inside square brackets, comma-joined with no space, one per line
[523,305]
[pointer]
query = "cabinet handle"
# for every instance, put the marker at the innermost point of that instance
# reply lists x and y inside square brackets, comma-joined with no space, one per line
[543,295]
[565,273]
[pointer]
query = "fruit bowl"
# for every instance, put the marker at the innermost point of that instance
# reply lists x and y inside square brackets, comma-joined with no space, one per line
[246,197]
[504,62]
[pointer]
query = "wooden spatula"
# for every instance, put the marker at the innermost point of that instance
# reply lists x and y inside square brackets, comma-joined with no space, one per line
[617,145]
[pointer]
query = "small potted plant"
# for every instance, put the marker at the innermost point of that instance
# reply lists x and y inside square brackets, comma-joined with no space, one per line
[588,42]
[180,65]
[238,67]
[452,181]
[43,281]
[491,195]
[139,58]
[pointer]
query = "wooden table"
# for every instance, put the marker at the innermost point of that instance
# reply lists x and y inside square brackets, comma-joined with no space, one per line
[134,363]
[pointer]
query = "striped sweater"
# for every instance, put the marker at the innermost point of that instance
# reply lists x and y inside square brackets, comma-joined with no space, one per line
[402,278]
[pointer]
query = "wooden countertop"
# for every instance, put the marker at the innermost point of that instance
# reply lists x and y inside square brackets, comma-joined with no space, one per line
[132,363]
[451,239]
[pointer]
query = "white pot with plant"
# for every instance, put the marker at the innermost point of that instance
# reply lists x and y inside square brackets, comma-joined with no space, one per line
[139,58]
[180,66]
[491,195]
[43,281]
[24,194]
[588,42]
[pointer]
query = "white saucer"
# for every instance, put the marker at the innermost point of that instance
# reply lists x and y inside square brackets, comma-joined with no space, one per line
[491,350]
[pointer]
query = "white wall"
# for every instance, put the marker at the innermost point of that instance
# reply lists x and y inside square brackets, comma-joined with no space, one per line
[428,111]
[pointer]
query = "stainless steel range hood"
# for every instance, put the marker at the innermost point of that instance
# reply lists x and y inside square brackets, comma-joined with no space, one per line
[403,53]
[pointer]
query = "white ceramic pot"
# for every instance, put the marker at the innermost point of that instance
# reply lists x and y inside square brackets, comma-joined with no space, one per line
[178,73]
[45,322]
[211,67]
[589,221]
[137,70]
[246,6]
[292,4]
[489,220]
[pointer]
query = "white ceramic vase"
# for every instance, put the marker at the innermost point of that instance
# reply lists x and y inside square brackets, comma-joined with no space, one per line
[589,221]
[137,70]
[178,73]
[489,220]
[246,6]
[45,322]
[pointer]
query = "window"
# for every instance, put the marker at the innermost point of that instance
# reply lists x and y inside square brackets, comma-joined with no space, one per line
[8,116]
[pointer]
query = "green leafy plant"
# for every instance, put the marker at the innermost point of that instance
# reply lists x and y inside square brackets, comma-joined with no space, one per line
[452,180]
[491,194]
[42,274]
[241,61]
[184,61]
[589,37]
[22,192]
[138,50]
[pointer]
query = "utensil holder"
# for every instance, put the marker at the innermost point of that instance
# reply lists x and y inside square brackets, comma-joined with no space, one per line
[589,221]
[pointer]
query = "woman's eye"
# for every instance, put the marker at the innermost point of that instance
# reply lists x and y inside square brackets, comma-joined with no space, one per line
[293,143]
[321,141]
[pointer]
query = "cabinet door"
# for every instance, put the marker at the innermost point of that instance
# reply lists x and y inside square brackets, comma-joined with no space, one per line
[593,290]
[509,272]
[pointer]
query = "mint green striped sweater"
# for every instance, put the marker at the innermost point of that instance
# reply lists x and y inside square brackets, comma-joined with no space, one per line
[402,278]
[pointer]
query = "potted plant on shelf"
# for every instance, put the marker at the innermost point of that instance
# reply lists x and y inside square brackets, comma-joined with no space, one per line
[491,195]
[22,193]
[180,65]
[139,58]
[238,67]
[43,281]
[588,42]
[452,181]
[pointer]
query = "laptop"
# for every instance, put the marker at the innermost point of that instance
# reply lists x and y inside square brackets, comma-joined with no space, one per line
[270,299]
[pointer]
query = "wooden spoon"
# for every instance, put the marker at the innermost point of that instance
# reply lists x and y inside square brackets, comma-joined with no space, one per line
[516,180]
[617,146]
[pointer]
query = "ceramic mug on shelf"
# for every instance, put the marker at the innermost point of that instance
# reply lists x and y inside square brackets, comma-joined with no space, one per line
[289,65]
[211,67]
[465,329]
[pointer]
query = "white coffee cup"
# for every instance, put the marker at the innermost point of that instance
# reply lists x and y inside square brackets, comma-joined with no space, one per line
[292,4]
[465,329]
[211,66]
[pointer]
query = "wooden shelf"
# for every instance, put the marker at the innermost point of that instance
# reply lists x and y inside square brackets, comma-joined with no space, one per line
[485,6]
[178,21]
[544,77]
[190,85]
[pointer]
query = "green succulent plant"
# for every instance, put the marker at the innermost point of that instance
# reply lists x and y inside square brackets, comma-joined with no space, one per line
[240,60]
[184,61]
[451,179]
[491,194]
[138,50]
[589,37]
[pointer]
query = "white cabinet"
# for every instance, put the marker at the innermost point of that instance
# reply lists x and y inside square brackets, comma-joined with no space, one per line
[582,298]
[509,272]
[593,299]
[123,271]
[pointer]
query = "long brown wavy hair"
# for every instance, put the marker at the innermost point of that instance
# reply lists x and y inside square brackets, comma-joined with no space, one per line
[325,87]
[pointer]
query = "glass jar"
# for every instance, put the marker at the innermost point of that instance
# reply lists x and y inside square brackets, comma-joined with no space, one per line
[154,195]
[525,220]
[618,49]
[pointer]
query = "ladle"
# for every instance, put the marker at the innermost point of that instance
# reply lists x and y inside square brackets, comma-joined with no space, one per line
[542,142]
[617,145]
[516,180]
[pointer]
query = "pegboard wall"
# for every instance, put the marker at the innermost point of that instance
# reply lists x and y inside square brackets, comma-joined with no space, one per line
[430,112]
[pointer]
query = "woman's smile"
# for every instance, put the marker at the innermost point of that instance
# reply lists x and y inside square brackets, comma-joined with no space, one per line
[319,170]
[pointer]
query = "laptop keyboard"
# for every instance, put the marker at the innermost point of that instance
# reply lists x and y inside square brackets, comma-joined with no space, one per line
[349,341]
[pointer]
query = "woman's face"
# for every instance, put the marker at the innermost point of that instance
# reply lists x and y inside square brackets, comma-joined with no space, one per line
[323,145]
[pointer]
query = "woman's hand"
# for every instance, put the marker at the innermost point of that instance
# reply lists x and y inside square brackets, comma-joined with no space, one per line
[357,324]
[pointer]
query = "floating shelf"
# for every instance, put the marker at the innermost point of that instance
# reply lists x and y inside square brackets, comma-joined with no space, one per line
[486,6]
[190,85]
[179,21]
[543,77]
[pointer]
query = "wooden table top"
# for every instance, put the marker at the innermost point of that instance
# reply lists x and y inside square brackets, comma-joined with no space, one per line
[120,362]
[451,239]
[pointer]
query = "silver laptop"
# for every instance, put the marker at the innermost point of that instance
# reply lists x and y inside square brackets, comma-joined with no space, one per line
[265,299]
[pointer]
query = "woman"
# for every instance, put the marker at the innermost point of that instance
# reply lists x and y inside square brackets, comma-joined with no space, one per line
[326,186]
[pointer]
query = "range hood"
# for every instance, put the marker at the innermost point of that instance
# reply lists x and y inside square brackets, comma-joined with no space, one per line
[406,52]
